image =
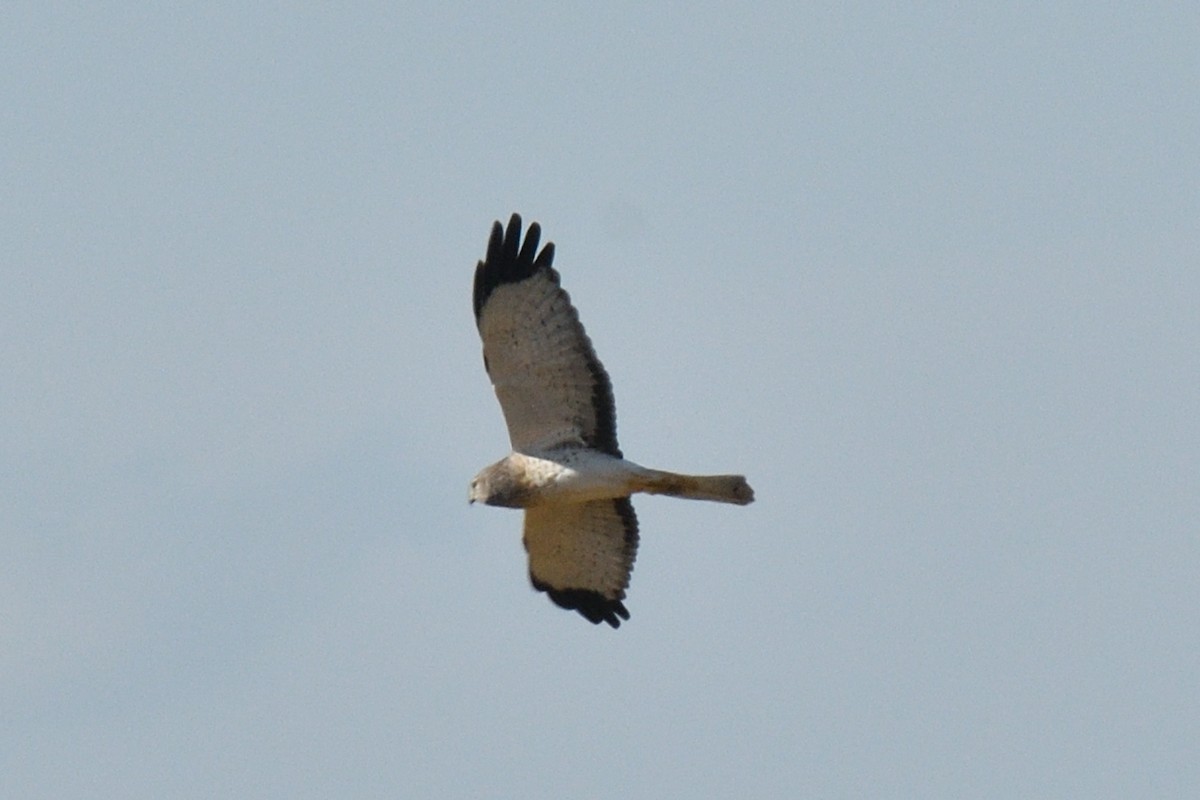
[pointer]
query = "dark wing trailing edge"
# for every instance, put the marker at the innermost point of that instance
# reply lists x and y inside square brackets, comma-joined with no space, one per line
[581,555]
[551,386]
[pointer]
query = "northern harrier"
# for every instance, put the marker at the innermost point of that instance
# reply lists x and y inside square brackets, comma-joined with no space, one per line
[566,469]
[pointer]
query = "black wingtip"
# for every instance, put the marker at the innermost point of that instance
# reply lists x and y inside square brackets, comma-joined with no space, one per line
[593,606]
[508,260]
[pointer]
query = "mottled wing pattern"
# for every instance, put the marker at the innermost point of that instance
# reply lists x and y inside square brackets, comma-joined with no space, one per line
[552,388]
[581,555]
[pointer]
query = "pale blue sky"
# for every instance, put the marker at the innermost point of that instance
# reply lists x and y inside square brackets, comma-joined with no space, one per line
[929,277]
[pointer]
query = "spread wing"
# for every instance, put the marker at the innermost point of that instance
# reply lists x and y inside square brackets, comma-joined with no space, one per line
[581,554]
[552,388]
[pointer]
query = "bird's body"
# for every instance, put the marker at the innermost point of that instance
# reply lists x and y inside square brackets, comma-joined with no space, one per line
[578,474]
[566,469]
[568,475]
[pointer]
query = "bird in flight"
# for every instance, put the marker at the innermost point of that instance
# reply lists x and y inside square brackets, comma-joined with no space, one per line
[566,470]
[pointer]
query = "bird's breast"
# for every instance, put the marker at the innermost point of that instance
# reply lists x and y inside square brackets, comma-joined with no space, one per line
[574,476]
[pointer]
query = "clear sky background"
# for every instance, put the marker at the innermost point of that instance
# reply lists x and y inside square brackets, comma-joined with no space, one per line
[929,276]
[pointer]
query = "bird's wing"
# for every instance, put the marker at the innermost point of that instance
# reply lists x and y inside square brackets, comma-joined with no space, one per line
[552,388]
[581,555]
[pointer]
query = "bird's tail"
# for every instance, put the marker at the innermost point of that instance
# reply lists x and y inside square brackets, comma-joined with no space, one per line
[719,488]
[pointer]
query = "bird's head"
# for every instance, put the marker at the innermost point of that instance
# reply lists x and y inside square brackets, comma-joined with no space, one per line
[498,485]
